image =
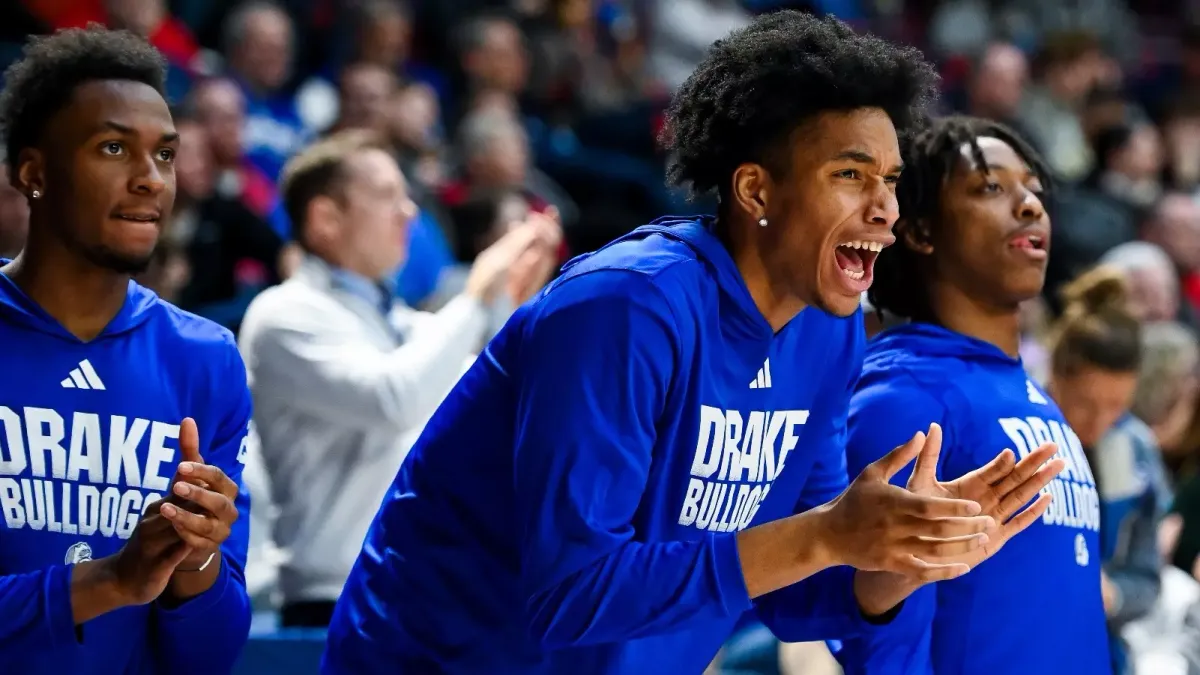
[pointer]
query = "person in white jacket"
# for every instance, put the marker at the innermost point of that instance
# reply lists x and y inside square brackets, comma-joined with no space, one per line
[343,374]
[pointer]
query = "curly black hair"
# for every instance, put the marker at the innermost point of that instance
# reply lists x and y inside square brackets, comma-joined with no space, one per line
[41,83]
[756,86]
[930,156]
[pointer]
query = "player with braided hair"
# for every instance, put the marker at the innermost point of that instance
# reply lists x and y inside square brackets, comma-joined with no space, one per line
[974,238]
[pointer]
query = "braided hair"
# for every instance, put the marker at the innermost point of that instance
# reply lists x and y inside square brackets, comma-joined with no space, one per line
[930,157]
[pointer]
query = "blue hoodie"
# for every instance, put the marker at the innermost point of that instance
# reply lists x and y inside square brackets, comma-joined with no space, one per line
[573,505]
[1035,607]
[88,440]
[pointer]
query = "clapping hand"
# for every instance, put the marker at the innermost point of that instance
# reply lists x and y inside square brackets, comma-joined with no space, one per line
[1002,488]
[200,506]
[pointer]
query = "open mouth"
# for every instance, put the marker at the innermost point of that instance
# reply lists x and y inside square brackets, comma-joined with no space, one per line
[1034,242]
[856,258]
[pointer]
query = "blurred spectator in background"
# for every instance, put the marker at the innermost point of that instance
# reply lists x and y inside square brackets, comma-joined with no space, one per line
[365,96]
[1153,286]
[220,107]
[493,61]
[1105,209]
[259,38]
[998,84]
[232,252]
[1095,358]
[494,150]
[1174,225]
[1066,69]
[344,375]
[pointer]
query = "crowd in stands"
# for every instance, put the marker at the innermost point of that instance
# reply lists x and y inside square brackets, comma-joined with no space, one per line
[525,132]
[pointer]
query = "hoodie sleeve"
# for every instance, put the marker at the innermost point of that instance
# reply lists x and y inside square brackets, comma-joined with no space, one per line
[205,634]
[593,375]
[36,607]
[885,413]
[823,606]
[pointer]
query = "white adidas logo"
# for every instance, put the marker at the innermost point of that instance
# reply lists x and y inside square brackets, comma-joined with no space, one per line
[83,377]
[763,379]
[1035,396]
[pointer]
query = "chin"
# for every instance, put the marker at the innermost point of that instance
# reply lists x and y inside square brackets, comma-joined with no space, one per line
[837,304]
[132,262]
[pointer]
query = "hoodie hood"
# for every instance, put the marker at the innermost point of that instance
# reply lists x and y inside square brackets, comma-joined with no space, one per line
[20,309]
[697,234]
[926,349]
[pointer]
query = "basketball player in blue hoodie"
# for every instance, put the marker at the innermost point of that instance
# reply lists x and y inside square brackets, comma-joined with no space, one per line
[616,479]
[122,419]
[974,239]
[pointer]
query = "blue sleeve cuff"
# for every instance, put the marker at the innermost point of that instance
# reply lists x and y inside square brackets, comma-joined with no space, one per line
[58,607]
[200,603]
[731,582]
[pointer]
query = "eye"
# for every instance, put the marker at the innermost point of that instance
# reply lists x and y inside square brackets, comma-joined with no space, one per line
[848,174]
[112,148]
[166,155]
[992,187]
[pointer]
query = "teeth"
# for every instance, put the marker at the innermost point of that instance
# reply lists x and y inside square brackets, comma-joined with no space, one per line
[855,275]
[868,245]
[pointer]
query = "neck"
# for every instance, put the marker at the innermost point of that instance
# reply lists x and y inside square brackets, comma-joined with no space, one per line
[958,312]
[82,297]
[770,296]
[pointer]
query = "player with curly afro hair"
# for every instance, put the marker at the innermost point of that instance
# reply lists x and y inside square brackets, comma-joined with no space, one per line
[635,426]
[90,141]
[793,122]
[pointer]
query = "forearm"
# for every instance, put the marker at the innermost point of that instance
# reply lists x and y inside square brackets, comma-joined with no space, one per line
[878,593]
[185,585]
[783,552]
[94,590]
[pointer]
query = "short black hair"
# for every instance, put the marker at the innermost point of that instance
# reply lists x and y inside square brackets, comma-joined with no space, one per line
[930,157]
[52,67]
[756,86]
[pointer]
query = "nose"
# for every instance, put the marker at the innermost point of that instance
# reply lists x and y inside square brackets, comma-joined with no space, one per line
[884,208]
[1030,207]
[148,178]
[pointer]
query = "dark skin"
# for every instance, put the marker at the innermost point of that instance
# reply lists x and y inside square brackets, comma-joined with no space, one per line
[105,183]
[975,278]
[839,186]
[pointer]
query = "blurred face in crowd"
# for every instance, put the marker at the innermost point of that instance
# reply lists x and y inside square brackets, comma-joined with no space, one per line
[1153,293]
[1141,158]
[1093,399]
[413,116]
[993,236]
[140,16]
[365,93]
[365,228]
[195,171]
[221,109]
[1000,83]
[1176,228]
[14,217]
[503,161]
[263,55]
[385,40]
[501,61]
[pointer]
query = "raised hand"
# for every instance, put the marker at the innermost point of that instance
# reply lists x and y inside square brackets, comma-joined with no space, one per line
[200,507]
[876,526]
[1002,488]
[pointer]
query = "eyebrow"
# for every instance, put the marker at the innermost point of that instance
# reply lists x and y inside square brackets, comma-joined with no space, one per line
[169,137]
[1028,172]
[860,157]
